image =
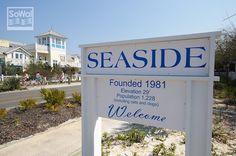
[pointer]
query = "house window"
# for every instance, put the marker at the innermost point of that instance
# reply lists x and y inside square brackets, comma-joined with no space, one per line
[39,41]
[62,58]
[48,40]
[45,58]
[54,62]
[44,41]
[232,67]
[17,56]
[21,56]
[58,41]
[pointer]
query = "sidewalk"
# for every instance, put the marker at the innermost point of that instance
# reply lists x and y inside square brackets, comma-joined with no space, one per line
[64,140]
[53,86]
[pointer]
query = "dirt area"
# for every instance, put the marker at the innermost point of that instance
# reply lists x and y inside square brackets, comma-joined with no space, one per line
[19,124]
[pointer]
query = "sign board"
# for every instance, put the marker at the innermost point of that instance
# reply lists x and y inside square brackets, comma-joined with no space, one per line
[164,82]
[148,103]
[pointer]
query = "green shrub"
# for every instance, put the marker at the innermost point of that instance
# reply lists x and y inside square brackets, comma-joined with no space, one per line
[54,98]
[76,96]
[52,107]
[121,137]
[161,150]
[219,133]
[107,140]
[10,84]
[3,113]
[27,104]
[158,150]
[219,85]
[135,136]
[70,105]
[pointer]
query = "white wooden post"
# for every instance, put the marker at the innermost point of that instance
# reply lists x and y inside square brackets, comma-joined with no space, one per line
[197,135]
[2,77]
[91,123]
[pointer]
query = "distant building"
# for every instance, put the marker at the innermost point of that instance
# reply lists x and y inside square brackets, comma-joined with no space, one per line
[14,53]
[73,60]
[50,47]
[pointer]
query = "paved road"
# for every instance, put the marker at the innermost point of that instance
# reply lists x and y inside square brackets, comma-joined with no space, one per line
[11,99]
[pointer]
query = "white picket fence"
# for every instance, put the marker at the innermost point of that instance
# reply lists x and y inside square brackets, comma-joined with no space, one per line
[5,77]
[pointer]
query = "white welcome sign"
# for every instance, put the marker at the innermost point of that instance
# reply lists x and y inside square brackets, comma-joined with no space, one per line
[164,82]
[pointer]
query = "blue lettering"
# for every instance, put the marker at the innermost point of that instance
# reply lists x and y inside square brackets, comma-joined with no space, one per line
[143,59]
[123,58]
[153,58]
[188,57]
[129,115]
[110,115]
[123,112]
[136,113]
[92,60]
[141,115]
[178,58]
[103,59]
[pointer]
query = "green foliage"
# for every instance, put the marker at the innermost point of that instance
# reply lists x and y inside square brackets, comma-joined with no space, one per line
[10,69]
[213,150]
[183,141]
[107,140]
[70,70]
[27,104]
[161,138]
[121,137]
[9,84]
[76,96]
[225,52]
[52,107]
[162,150]
[135,136]
[70,105]
[3,113]
[228,93]
[106,153]
[43,68]
[54,98]
[16,121]
[219,133]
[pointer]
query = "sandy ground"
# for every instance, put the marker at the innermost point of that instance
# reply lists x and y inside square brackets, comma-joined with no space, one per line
[146,148]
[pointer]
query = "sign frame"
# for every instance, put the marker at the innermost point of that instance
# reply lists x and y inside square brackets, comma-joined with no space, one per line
[199,99]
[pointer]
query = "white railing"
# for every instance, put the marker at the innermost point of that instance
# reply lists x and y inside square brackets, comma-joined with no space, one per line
[38,47]
[42,47]
[2,77]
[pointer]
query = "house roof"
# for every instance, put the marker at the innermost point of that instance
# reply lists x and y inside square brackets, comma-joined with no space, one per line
[52,33]
[6,50]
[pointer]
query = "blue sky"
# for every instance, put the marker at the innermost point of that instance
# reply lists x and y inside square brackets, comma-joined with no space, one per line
[89,21]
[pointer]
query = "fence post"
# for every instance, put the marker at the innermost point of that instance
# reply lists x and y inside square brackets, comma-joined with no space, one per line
[2,77]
